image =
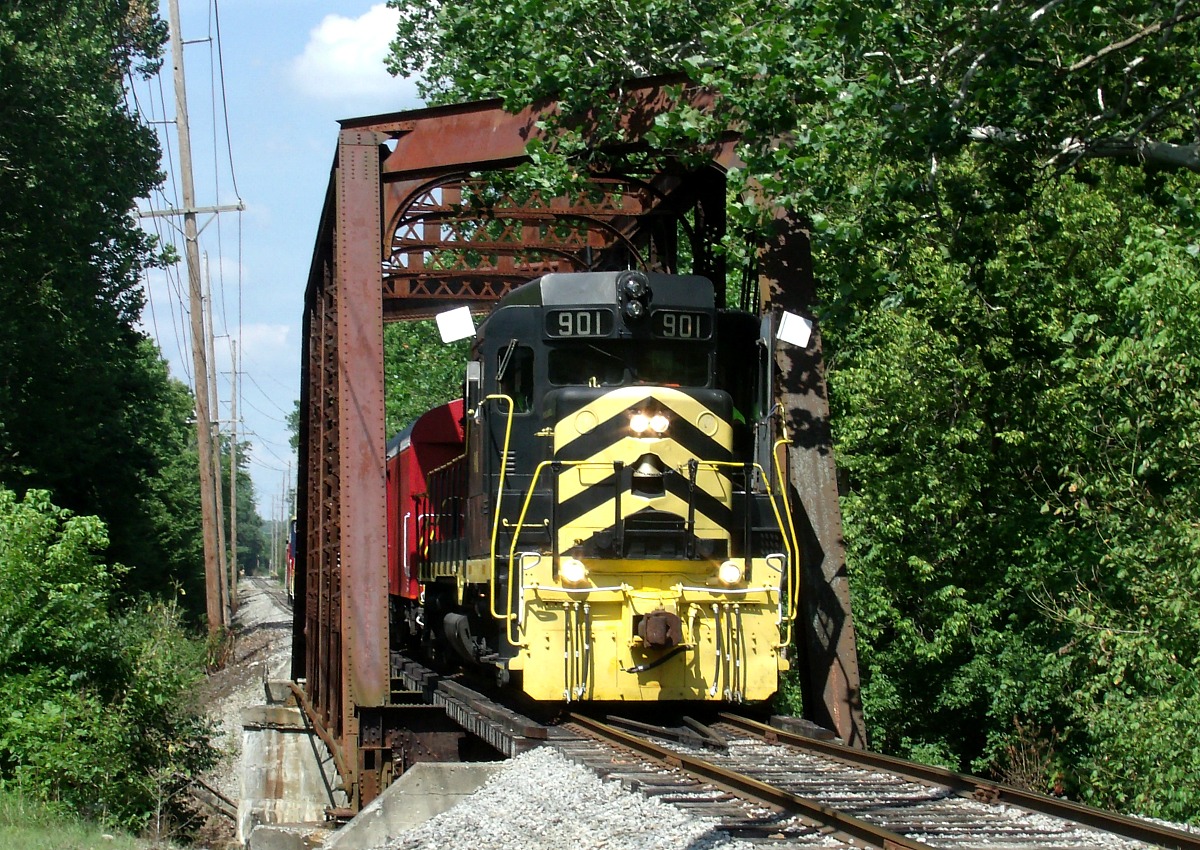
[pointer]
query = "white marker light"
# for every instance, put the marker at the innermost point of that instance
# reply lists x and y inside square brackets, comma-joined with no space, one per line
[729,573]
[572,571]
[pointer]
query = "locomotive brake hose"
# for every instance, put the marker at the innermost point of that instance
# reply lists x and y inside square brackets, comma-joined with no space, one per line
[567,651]
[587,646]
[712,691]
[650,665]
[741,686]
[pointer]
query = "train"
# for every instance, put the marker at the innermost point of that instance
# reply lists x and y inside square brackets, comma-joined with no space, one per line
[603,516]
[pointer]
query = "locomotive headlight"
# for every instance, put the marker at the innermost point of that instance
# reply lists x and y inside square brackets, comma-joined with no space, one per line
[572,571]
[639,423]
[659,423]
[729,573]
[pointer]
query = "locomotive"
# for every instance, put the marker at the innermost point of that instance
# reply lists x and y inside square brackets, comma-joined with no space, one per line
[603,515]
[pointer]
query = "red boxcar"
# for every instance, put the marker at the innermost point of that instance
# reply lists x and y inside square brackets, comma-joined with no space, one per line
[435,439]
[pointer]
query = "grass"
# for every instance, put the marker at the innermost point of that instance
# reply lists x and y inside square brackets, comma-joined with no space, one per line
[29,825]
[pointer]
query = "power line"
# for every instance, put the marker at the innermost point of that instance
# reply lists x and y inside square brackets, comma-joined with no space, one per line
[282,412]
[224,100]
[266,444]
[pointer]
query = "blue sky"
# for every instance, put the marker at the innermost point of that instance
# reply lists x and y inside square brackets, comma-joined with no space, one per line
[292,68]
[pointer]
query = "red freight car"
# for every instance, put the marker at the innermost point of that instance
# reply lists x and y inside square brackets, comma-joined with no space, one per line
[429,444]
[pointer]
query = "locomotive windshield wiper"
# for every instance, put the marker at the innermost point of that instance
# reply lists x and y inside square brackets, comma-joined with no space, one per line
[609,380]
[607,354]
[505,358]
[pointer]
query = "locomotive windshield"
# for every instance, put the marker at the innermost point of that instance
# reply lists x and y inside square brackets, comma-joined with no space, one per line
[609,363]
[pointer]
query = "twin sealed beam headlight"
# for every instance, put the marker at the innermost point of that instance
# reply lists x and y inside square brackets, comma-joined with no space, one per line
[730,573]
[571,571]
[649,424]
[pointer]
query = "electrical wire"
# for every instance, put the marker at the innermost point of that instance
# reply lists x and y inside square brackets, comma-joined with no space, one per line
[282,412]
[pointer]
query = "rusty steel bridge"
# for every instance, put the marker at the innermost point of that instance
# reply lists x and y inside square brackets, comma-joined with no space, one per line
[411,225]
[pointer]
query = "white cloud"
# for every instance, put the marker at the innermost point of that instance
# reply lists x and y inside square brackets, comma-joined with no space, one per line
[344,59]
[269,345]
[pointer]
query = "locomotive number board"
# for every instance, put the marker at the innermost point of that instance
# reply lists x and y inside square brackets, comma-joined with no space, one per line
[681,324]
[584,322]
[579,322]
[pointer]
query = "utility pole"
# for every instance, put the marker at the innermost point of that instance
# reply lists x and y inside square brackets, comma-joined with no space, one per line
[233,476]
[284,516]
[215,407]
[289,508]
[199,367]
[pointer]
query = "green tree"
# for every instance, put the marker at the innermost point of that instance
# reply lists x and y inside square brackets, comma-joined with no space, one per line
[420,371]
[1005,310]
[94,696]
[87,409]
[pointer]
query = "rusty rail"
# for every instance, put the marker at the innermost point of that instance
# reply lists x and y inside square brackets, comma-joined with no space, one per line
[976,788]
[844,826]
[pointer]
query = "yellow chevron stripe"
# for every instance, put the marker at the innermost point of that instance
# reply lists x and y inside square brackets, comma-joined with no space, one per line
[620,399]
[575,479]
[603,517]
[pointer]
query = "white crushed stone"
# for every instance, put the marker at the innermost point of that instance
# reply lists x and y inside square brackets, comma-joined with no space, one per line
[543,801]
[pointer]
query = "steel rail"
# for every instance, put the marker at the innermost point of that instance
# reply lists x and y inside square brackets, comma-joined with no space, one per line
[976,788]
[844,826]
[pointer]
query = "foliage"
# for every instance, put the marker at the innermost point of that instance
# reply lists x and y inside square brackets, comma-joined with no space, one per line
[1128,493]
[1006,313]
[420,371]
[818,77]
[293,426]
[252,541]
[87,409]
[1022,510]
[94,696]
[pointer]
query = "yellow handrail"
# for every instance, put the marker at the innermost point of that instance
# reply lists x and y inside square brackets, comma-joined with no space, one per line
[499,489]
[794,578]
[512,550]
[789,540]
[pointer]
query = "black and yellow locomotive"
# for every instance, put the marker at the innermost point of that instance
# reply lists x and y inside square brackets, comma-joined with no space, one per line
[614,526]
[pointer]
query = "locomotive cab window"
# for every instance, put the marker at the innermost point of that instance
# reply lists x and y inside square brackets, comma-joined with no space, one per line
[594,364]
[670,363]
[514,375]
[609,363]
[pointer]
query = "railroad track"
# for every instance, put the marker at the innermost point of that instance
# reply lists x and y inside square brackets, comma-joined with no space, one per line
[271,589]
[765,784]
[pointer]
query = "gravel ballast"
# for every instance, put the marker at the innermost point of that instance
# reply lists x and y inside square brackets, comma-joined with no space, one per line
[542,800]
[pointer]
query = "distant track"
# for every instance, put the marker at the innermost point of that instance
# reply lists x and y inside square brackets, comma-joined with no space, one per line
[271,589]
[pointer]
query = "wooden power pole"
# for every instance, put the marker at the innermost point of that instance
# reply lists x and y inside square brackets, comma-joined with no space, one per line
[215,407]
[208,493]
[233,476]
